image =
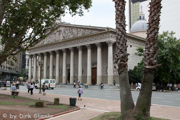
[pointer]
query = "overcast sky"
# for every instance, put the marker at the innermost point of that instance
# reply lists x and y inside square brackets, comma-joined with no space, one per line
[102,13]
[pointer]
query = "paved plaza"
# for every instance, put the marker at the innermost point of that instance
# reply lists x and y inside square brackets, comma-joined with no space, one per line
[92,107]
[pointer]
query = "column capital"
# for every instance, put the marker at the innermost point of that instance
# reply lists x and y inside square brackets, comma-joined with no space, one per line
[98,44]
[39,54]
[57,51]
[30,56]
[51,52]
[34,55]
[79,47]
[71,49]
[110,42]
[88,46]
[64,50]
[45,53]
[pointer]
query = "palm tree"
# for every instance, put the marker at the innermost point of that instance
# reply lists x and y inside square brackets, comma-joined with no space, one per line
[142,108]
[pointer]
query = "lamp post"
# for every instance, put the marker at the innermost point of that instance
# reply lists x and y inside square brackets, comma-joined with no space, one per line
[40,64]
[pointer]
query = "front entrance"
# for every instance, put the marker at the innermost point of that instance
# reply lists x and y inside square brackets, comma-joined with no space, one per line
[94,76]
[68,75]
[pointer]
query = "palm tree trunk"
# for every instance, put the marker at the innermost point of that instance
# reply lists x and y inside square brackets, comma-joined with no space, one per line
[121,58]
[151,50]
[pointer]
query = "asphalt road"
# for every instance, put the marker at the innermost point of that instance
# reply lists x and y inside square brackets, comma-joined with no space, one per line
[159,98]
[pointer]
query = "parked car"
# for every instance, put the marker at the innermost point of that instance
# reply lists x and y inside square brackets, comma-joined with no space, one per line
[49,83]
[139,86]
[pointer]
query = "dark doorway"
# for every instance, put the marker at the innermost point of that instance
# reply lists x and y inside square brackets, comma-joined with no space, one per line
[94,76]
[68,75]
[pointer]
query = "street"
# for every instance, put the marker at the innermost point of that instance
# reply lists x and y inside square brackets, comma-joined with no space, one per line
[159,98]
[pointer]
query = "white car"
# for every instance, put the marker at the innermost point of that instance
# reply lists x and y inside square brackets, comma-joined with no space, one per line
[139,86]
[49,83]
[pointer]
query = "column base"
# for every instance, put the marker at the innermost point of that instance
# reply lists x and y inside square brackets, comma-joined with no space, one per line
[89,80]
[57,79]
[29,79]
[45,77]
[34,79]
[110,79]
[64,80]
[80,79]
[71,79]
[51,77]
[99,80]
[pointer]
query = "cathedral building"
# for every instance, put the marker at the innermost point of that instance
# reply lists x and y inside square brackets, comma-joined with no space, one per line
[77,52]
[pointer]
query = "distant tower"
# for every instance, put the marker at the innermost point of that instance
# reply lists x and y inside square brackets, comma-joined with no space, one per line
[134,12]
[140,27]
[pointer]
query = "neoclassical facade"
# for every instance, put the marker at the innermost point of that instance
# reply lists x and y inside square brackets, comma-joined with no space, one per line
[76,52]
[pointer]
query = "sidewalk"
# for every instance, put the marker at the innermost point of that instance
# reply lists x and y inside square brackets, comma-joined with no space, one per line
[94,107]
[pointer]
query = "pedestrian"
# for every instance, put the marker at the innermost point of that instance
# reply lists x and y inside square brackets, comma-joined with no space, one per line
[114,83]
[80,91]
[67,82]
[170,85]
[31,88]
[13,87]
[74,84]
[101,85]
[44,87]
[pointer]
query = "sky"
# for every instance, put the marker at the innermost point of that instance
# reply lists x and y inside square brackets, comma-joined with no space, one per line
[101,14]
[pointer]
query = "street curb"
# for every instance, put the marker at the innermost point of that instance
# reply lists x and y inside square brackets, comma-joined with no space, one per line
[58,114]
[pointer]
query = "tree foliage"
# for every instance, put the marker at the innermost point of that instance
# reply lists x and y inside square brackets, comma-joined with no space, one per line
[23,22]
[168,57]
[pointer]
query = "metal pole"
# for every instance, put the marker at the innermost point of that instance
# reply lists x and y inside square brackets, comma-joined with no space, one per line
[40,80]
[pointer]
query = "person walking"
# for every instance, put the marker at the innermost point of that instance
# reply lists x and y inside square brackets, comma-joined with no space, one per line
[44,87]
[101,85]
[114,83]
[31,88]
[74,84]
[80,91]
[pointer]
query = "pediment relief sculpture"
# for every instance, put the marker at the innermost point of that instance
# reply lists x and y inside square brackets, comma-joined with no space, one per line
[64,33]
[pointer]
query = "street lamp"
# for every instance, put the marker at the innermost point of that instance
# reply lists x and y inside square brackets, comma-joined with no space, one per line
[40,65]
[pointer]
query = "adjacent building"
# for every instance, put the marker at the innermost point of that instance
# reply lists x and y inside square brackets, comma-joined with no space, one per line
[169,19]
[8,71]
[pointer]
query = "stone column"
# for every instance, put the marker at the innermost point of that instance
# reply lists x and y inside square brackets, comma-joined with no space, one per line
[27,62]
[45,65]
[72,66]
[39,69]
[88,64]
[110,62]
[64,66]
[51,65]
[57,66]
[99,64]
[80,64]
[35,70]
[30,68]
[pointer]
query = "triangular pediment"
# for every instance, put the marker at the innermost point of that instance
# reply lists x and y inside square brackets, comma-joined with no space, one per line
[67,32]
